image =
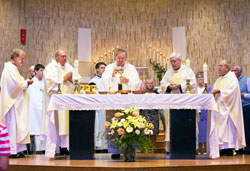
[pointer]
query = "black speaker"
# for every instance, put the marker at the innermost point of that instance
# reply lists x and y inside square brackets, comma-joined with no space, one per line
[182,134]
[81,134]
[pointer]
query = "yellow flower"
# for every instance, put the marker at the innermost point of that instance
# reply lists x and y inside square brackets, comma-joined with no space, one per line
[125,124]
[135,122]
[130,119]
[141,119]
[131,110]
[114,124]
[126,111]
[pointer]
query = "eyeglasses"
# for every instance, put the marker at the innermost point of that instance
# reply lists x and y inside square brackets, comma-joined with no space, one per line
[63,56]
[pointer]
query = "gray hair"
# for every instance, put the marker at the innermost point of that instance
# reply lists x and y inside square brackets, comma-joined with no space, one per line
[119,51]
[57,53]
[239,67]
[16,52]
[200,73]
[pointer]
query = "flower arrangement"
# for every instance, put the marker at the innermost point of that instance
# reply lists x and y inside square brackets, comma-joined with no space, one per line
[128,129]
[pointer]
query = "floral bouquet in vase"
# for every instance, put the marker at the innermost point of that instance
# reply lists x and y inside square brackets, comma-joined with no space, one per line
[128,130]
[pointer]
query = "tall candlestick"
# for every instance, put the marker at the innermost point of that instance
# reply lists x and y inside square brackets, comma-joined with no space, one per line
[109,57]
[205,72]
[164,61]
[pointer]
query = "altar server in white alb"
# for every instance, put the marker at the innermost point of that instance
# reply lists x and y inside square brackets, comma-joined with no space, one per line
[35,92]
[111,77]
[174,82]
[14,103]
[100,142]
[230,125]
[59,71]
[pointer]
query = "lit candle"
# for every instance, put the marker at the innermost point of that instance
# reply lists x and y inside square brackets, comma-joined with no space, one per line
[164,61]
[157,56]
[113,54]
[188,67]
[153,54]
[109,57]
[76,64]
[150,52]
[205,72]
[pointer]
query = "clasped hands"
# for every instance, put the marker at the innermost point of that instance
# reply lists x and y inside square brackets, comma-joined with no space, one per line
[68,77]
[174,86]
[215,91]
[122,78]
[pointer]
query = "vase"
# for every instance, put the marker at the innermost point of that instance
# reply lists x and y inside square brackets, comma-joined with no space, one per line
[129,153]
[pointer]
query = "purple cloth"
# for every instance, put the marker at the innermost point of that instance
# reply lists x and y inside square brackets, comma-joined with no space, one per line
[202,124]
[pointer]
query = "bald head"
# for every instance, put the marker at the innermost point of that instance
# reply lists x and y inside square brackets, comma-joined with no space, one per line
[224,67]
[61,57]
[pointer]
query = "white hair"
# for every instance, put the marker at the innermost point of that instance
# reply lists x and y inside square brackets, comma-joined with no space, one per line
[175,54]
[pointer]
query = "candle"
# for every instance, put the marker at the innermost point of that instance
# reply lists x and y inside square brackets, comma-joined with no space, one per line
[157,56]
[109,57]
[188,67]
[205,72]
[113,54]
[164,61]
[76,64]
[153,54]
[59,78]
[150,52]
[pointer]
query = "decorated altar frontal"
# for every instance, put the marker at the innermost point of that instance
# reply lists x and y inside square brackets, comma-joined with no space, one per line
[137,101]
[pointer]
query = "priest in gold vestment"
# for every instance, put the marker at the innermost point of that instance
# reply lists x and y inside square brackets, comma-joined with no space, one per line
[14,103]
[174,82]
[59,64]
[230,125]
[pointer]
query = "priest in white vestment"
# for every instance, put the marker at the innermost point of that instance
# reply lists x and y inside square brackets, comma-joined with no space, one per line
[230,125]
[35,92]
[174,82]
[58,71]
[100,117]
[14,104]
[111,78]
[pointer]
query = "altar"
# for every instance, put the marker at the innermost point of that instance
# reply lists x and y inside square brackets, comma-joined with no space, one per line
[124,101]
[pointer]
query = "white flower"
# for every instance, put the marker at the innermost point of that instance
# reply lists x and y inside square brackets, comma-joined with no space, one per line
[146,131]
[111,132]
[119,124]
[129,129]
[122,120]
[137,132]
[151,132]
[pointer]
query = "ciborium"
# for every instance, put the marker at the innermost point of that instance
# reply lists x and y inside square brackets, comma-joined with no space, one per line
[76,89]
[59,91]
[205,90]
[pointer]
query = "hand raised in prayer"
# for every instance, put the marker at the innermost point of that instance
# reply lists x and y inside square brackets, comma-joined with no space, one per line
[68,77]
[115,72]
[174,86]
[124,80]
[216,91]
[29,82]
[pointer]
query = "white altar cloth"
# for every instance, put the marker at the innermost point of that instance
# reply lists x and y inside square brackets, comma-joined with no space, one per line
[125,101]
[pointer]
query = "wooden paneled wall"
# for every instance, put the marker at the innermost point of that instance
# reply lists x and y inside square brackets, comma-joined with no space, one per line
[215,29]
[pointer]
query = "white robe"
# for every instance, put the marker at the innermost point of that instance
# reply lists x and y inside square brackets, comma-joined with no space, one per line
[14,107]
[111,83]
[35,92]
[100,142]
[230,125]
[176,77]
[51,87]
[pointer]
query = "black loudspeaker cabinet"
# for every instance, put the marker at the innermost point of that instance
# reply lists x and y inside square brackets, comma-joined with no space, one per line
[182,134]
[81,134]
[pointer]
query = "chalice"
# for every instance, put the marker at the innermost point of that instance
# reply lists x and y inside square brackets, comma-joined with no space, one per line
[120,85]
